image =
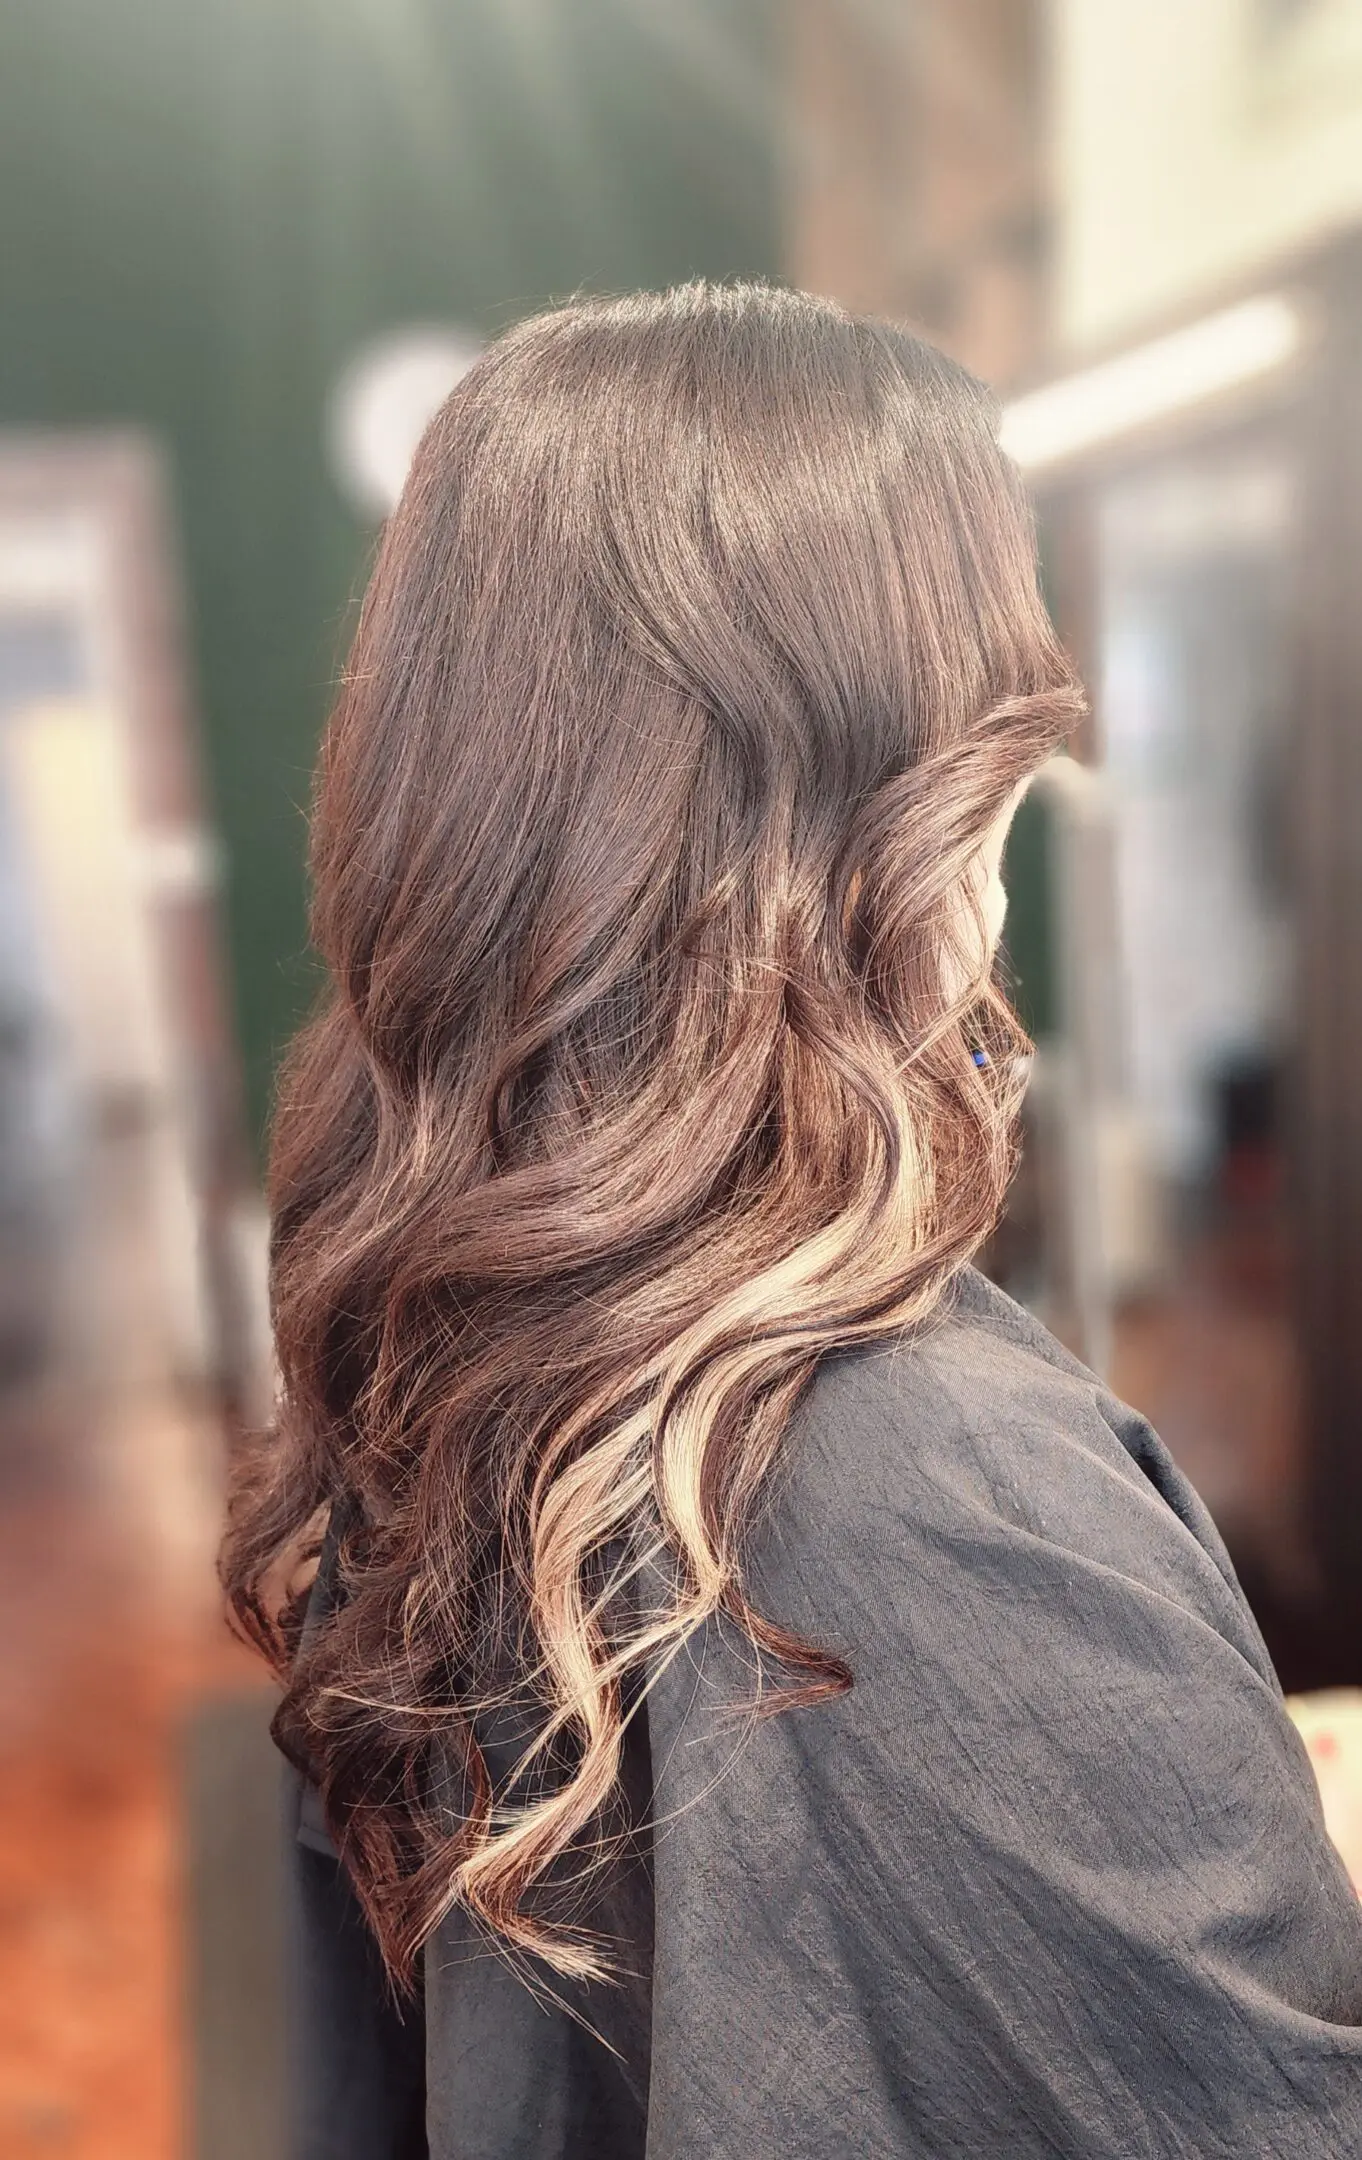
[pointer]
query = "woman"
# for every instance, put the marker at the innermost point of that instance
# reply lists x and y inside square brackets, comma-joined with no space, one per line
[759,1697]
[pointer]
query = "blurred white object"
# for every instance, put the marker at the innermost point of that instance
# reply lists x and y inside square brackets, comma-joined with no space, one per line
[66,780]
[1150,382]
[248,1233]
[1330,1724]
[1104,1233]
[383,404]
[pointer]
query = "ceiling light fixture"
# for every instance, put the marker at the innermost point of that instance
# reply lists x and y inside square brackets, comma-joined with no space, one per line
[1150,382]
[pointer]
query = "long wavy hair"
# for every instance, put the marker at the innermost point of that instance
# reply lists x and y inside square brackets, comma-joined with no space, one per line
[699,659]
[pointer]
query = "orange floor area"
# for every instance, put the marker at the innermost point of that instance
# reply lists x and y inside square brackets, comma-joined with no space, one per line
[108,1631]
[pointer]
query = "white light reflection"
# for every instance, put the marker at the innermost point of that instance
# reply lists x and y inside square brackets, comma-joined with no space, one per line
[1151,382]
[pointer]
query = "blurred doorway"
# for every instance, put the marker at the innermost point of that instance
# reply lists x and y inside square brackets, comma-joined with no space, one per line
[122,1165]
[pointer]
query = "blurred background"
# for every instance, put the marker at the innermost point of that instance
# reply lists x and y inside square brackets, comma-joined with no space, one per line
[245,247]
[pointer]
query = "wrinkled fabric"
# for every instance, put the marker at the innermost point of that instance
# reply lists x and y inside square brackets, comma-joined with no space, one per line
[1051,1880]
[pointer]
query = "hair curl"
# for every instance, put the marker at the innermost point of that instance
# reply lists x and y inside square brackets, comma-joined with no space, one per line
[699,659]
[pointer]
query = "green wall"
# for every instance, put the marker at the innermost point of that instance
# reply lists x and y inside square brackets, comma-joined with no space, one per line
[207,205]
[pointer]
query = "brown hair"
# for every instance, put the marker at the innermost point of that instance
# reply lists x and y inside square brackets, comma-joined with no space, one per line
[700,656]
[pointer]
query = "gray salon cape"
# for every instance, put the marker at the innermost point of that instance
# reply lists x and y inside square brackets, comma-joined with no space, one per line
[1051,1879]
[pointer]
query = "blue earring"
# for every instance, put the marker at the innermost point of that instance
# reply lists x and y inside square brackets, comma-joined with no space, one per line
[981,1057]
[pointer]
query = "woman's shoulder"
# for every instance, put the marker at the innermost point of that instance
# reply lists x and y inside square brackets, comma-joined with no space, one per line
[982,1392]
[981,1364]
[978,1443]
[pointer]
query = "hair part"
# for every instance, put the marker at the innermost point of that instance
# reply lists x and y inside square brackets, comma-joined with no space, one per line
[700,656]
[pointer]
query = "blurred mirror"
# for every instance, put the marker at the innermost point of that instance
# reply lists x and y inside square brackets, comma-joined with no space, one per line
[1194,617]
